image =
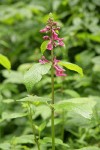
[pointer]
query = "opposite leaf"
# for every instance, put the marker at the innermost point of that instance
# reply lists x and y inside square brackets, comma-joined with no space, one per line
[72,66]
[44,46]
[34,74]
[5,62]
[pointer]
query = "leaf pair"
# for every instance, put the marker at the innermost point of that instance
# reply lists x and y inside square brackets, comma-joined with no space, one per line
[35,73]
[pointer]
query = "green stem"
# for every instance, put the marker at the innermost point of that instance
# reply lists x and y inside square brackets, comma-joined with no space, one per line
[62,129]
[52,109]
[33,127]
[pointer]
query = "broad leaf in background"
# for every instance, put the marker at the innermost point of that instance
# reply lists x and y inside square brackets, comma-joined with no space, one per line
[89,148]
[25,139]
[10,115]
[44,46]
[57,141]
[72,66]
[34,74]
[4,61]
[13,76]
[35,99]
[82,106]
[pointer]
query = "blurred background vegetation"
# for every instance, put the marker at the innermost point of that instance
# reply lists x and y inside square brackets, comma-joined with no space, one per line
[20,40]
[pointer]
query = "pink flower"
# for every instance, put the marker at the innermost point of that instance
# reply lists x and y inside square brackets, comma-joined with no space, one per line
[59,70]
[43,60]
[60,42]
[60,73]
[50,45]
[46,29]
[46,37]
[54,35]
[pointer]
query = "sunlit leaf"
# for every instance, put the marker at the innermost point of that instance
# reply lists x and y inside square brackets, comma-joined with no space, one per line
[44,46]
[71,66]
[4,61]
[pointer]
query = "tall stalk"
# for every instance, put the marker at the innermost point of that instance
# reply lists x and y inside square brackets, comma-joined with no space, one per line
[52,109]
[53,41]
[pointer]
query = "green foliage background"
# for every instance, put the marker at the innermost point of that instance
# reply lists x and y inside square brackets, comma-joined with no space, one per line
[20,41]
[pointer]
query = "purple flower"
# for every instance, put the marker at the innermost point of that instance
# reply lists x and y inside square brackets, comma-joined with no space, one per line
[43,60]
[46,37]
[51,28]
[46,29]
[60,42]
[59,70]
[54,35]
[50,45]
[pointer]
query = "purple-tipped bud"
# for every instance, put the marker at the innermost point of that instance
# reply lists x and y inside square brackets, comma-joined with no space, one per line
[58,28]
[54,23]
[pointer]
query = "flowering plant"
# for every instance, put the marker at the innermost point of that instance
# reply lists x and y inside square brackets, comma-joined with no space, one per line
[35,73]
[52,42]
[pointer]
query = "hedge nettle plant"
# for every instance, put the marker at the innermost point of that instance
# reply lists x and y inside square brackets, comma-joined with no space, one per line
[35,73]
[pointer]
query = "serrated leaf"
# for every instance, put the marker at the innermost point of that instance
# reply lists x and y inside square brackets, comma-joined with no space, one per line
[82,106]
[44,46]
[35,99]
[34,74]
[72,66]
[4,61]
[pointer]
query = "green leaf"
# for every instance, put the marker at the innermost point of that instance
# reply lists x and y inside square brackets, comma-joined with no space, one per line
[35,99]
[13,76]
[9,115]
[5,145]
[5,62]
[57,141]
[34,74]
[44,46]
[72,66]
[89,148]
[25,139]
[81,106]
[42,126]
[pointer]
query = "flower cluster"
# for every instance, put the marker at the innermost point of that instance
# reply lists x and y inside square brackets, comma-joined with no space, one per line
[54,40]
[58,70]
